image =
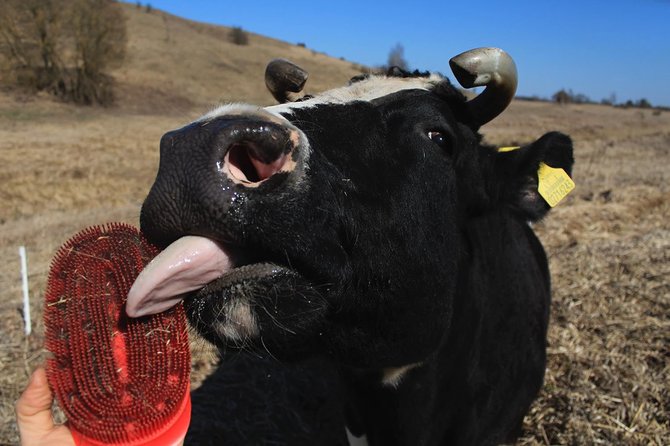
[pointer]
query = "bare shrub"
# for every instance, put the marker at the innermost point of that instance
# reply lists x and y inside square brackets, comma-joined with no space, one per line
[563,97]
[238,36]
[568,97]
[643,103]
[30,42]
[99,37]
[62,47]
[397,58]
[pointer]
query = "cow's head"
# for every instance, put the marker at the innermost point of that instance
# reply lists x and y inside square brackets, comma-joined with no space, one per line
[335,223]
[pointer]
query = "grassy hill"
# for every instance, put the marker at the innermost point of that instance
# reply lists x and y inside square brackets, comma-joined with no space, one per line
[64,167]
[176,64]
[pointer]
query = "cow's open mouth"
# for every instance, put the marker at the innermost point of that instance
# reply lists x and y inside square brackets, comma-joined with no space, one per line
[189,264]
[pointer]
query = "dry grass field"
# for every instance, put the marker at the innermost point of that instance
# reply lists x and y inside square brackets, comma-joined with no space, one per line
[608,379]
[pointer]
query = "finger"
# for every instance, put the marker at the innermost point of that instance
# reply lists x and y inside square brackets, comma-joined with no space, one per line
[33,408]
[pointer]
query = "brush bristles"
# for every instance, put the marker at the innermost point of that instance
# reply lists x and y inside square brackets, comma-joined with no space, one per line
[117,379]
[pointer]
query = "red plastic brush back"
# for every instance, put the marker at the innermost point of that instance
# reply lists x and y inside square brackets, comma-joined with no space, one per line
[119,380]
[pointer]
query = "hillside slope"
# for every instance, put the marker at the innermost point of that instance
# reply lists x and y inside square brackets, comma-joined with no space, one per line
[176,64]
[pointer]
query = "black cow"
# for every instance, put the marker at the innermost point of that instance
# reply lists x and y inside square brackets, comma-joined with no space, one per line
[368,225]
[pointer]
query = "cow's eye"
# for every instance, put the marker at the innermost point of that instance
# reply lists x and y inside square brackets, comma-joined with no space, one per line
[440,139]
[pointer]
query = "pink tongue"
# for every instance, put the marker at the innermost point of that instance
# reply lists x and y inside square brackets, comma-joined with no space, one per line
[186,265]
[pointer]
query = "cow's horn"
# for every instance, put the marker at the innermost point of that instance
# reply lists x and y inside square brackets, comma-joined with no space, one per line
[285,80]
[492,68]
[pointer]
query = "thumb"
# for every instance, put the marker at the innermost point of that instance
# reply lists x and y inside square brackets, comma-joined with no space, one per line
[34,418]
[33,408]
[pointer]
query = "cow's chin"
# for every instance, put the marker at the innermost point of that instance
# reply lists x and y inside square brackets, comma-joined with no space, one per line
[261,306]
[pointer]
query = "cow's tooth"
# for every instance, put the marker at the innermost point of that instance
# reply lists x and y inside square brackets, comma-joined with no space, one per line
[187,264]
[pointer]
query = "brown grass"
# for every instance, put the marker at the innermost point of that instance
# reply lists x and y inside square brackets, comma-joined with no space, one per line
[63,168]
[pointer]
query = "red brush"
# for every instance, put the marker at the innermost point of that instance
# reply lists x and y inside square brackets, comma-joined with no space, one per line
[119,380]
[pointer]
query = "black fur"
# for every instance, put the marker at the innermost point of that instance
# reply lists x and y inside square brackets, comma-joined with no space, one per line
[392,251]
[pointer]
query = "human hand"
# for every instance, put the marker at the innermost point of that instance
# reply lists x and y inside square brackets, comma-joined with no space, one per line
[34,417]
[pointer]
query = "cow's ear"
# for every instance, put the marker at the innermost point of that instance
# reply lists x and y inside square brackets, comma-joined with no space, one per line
[536,176]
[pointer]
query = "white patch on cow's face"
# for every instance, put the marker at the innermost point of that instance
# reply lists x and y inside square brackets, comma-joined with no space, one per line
[240,109]
[369,89]
[232,109]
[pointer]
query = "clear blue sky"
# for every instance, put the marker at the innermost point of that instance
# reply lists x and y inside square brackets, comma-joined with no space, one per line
[594,47]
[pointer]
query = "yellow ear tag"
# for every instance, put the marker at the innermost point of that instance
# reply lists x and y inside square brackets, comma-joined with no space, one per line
[508,149]
[554,183]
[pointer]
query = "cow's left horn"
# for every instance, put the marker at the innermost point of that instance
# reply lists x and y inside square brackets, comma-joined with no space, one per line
[285,80]
[491,68]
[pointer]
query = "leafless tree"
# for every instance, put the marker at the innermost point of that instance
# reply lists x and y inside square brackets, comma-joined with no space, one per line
[562,96]
[99,38]
[397,58]
[30,42]
[238,36]
[64,47]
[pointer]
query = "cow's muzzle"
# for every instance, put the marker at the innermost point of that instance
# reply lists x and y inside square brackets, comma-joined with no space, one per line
[214,169]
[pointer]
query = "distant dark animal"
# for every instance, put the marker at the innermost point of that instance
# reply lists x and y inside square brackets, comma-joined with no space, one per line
[368,226]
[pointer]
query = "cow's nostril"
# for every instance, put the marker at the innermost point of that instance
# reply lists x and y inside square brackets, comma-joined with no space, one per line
[240,165]
[244,164]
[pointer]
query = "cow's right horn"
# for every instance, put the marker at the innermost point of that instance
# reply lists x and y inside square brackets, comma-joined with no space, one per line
[492,68]
[285,80]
